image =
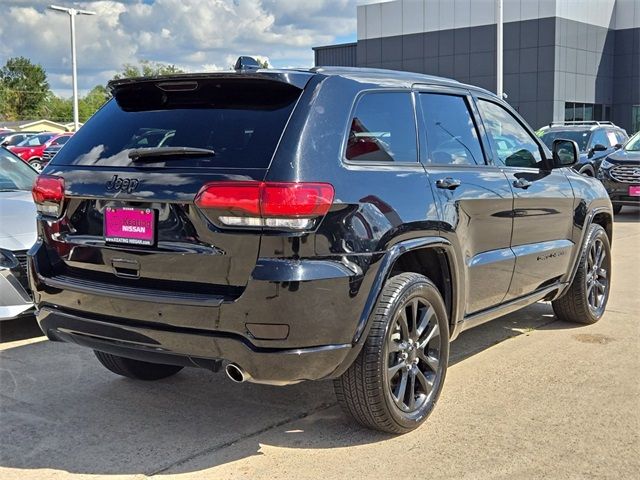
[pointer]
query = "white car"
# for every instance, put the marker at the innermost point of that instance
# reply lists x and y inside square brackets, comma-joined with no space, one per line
[17,234]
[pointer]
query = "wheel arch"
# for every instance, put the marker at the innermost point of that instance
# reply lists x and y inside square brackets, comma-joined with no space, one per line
[407,256]
[601,216]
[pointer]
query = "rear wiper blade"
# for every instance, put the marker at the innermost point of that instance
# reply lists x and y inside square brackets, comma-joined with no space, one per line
[156,152]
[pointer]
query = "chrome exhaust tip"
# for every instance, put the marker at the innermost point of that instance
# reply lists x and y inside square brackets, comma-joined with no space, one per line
[236,373]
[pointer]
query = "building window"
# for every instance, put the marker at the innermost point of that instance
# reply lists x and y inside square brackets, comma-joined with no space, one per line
[635,118]
[585,112]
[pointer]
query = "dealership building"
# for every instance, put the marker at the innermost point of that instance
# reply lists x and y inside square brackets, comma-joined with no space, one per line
[563,59]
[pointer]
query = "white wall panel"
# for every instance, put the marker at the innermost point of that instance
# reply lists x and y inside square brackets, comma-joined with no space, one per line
[374,16]
[528,9]
[412,16]
[397,17]
[391,18]
[446,14]
[462,13]
[511,11]
[362,22]
[546,8]
[432,15]
[483,12]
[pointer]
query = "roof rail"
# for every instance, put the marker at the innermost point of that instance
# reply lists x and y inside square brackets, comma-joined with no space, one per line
[582,122]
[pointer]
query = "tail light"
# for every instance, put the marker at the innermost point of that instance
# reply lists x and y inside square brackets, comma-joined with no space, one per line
[273,205]
[48,194]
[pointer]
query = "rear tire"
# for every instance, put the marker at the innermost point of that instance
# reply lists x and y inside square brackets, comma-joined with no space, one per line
[617,209]
[394,383]
[586,299]
[136,369]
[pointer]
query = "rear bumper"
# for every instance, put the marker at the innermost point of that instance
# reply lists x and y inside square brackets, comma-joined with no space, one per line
[163,344]
[294,321]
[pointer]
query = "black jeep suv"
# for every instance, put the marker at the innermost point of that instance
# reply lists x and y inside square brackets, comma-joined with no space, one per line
[330,223]
[595,141]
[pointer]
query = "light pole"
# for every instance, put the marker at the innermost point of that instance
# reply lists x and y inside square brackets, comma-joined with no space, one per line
[74,73]
[499,48]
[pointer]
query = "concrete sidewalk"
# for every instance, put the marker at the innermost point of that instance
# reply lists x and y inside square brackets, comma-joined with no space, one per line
[526,396]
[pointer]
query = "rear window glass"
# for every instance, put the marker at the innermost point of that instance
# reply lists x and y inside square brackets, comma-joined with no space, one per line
[240,120]
[383,129]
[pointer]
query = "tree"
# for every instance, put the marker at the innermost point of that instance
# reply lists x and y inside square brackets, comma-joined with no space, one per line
[23,88]
[89,104]
[146,69]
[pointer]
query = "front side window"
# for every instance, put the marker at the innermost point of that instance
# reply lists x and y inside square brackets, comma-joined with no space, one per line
[512,145]
[61,140]
[600,138]
[383,129]
[452,136]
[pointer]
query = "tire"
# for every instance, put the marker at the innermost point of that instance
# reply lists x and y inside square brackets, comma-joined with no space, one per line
[586,299]
[617,208]
[136,369]
[370,390]
[36,164]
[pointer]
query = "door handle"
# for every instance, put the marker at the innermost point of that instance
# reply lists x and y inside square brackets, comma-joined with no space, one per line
[522,183]
[448,183]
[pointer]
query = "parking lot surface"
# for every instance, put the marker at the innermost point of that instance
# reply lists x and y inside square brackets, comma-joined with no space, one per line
[526,396]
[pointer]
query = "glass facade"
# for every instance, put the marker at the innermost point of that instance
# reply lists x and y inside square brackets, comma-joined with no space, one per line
[578,112]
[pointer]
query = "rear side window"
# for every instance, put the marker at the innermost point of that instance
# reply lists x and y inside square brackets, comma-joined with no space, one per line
[452,136]
[383,129]
[241,120]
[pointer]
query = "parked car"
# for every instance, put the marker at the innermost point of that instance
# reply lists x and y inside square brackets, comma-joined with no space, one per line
[596,141]
[335,223]
[17,234]
[31,150]
[9,139]
[53,149]
[620,174]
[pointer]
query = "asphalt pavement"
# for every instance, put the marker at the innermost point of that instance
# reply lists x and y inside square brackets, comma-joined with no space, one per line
[526,396]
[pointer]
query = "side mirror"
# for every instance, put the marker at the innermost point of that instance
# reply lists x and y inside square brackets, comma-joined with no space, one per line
[5,143]
[598,147]
[565,153]
[617,146]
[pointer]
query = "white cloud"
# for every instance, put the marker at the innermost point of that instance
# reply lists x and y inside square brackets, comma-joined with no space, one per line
[193,34]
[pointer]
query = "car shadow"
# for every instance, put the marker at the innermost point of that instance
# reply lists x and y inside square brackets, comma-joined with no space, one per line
[628,215]
[21,328]
[62,411]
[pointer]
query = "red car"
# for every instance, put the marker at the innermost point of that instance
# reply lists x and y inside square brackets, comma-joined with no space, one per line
[31,149]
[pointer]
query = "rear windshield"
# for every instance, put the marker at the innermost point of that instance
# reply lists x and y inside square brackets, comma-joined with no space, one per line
[581,137]
[240,120]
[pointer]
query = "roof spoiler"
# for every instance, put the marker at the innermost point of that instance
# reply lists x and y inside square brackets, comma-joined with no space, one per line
[244,64]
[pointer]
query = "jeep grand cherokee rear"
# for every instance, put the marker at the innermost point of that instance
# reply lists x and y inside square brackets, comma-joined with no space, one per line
[337,224]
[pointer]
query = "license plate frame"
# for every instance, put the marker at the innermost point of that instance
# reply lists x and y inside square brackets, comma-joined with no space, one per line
[130,226]
[634,190]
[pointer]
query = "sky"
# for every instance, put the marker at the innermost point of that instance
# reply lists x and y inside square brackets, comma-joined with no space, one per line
[196,35]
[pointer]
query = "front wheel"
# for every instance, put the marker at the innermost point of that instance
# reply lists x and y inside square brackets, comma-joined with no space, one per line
[586,299]
[394,383]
